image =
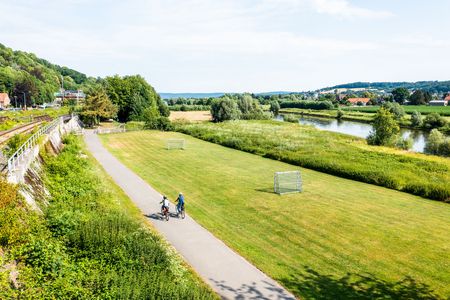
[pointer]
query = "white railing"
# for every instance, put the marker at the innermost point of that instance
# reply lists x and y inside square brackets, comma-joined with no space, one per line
[118,129]
[20,154]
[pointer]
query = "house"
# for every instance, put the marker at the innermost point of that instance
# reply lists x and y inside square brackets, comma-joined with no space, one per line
[355,101]
[4,100]
[439,102]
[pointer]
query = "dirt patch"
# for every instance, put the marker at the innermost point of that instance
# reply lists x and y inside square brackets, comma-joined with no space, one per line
[190,115]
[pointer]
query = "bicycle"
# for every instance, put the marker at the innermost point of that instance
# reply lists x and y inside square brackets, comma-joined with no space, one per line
[181,212]
[165,213]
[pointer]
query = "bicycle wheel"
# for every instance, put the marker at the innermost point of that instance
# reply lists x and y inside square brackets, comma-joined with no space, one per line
[167,216]
[183,215]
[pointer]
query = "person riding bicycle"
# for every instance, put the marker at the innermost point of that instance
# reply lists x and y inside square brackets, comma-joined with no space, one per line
[165,203]
[180,202]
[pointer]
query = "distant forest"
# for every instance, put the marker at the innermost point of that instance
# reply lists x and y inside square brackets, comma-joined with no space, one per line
[429,86]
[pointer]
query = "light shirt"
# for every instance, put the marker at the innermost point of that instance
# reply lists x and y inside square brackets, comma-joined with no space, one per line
[166,202]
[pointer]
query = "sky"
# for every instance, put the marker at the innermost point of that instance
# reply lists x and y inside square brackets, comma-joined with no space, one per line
[237,45]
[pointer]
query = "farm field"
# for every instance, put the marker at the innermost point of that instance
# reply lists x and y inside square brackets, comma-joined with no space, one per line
[332,153]
[190,115]
[423,109]
[338,239]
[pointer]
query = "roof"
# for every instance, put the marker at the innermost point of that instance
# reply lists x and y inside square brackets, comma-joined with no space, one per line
[447,98]
[4,98]
[356,100]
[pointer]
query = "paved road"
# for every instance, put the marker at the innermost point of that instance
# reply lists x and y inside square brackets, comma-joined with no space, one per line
[229,274]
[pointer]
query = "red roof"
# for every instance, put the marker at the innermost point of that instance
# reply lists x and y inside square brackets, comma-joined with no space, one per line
[356,100]
[447,98]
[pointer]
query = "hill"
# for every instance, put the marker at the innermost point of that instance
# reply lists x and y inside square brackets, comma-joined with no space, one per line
[431,86]
[23,72]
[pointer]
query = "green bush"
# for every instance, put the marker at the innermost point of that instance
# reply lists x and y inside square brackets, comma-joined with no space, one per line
[434,120]
[318,105]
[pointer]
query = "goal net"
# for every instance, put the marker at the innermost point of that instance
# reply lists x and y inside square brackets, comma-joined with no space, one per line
[176,144]
[287,182]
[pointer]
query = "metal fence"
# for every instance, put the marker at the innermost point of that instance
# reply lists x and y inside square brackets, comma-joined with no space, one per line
[32,141]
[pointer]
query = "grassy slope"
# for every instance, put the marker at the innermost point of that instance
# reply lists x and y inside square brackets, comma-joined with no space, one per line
[83,198]
[309,241]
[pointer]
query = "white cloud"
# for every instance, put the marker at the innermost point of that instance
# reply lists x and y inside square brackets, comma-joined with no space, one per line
[343,8]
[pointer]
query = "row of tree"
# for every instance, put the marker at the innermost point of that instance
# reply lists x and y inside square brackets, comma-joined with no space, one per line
[418,97]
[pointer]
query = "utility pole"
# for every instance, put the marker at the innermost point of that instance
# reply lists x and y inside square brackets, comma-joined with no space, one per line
[24,99]
[62,89]
[15,100]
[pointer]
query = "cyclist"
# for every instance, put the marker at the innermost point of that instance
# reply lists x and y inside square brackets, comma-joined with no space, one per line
[180,202]
[165,204]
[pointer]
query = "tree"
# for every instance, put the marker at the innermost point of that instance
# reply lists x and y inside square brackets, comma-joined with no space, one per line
[275,107]
[400,95]
[97,107]
[385,129]
[223,109]
[395,109]
[249,108]
[420,97]
[416,119]
[153,120]
[133,95]
[435,139]
[434,120]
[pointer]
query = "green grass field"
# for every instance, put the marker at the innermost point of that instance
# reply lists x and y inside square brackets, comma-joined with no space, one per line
[339,239]
[333,153]
[423,109]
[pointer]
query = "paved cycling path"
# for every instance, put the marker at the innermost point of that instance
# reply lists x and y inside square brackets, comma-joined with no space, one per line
[229,274]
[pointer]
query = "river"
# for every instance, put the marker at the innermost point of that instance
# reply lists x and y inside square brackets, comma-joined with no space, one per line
[360,129]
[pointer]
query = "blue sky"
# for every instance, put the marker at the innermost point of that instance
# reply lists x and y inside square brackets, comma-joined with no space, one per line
[237,45]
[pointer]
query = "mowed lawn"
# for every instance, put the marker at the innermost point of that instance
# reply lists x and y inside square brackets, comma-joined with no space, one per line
[338,239]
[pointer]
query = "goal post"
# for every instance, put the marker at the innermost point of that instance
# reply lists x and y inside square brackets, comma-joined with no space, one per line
[287,182]
[176,144]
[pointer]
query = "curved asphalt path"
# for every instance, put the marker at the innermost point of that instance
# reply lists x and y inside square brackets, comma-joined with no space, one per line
[228,273]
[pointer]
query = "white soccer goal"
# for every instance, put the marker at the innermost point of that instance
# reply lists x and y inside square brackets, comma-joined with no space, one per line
[287,182]
[176,144]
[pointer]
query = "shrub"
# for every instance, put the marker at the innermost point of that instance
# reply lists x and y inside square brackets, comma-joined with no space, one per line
[385,129]
[444,148]
[153,120]
[404,144]
[319,105]
[275,107]
[339,114]
[290,118]
[223,109]
[435,139]
[434,120]
[416,119]
[395,109]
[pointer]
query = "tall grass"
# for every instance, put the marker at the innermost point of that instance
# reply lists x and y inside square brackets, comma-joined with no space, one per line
[332,153]
[89,244]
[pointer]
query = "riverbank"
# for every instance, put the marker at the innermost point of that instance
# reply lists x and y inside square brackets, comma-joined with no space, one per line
[355,116]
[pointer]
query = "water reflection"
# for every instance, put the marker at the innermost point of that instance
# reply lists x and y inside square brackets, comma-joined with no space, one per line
[360,129]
